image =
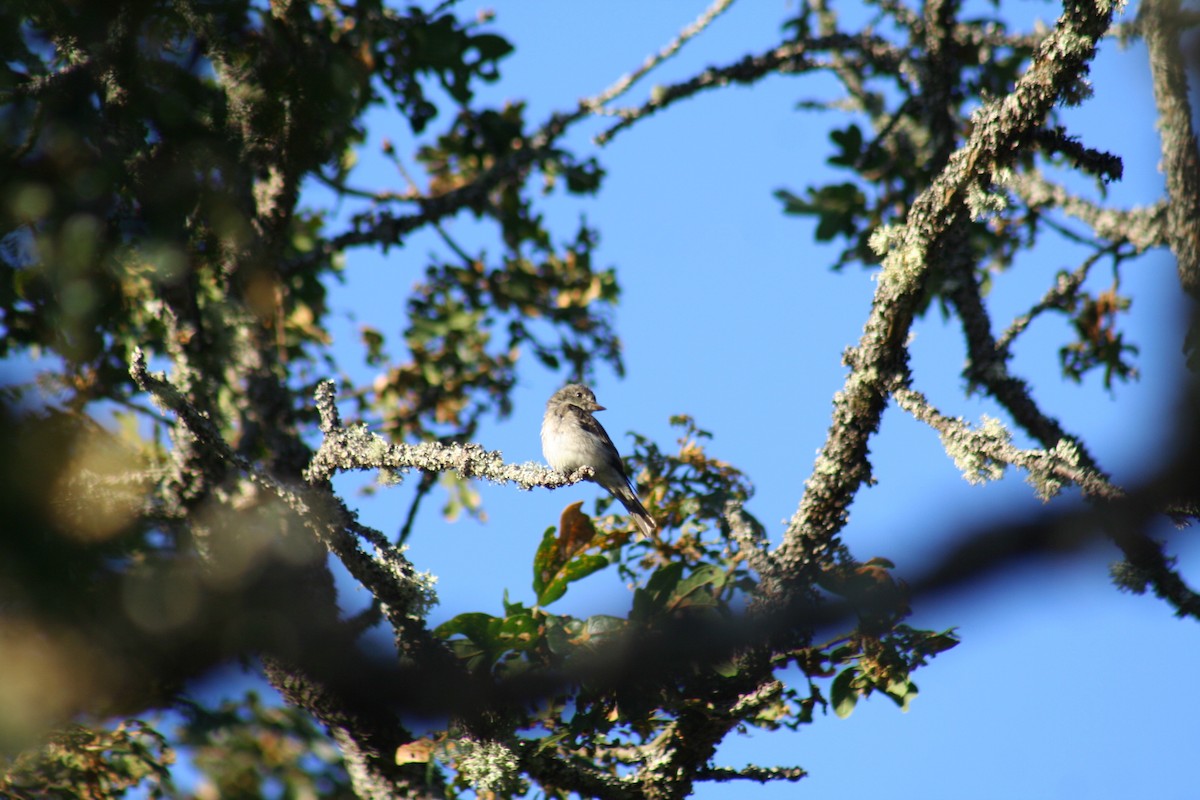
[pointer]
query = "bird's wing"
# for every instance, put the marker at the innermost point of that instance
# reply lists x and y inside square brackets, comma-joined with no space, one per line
[593,426]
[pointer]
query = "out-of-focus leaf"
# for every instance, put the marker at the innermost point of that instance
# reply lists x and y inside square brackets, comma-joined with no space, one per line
[842,694]
[415,752]
[648,601]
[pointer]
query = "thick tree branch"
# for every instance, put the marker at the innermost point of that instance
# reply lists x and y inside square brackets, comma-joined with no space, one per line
[1000,129]
[1158,20]
[356,448]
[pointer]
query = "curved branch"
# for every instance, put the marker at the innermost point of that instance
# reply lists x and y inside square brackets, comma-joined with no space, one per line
[977,450]
[788,58]
[626,82]
[1059,296]
[1000,128]
[1142,228]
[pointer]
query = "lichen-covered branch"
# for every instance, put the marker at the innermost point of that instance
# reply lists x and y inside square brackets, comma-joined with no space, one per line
[987,367]
[981,453]
[752,772]
[1105,166]
[389,576]
[1142,228]
[751,539]
[1000,128]
[367,736]
[1159,24]
[578,775]
[356,448]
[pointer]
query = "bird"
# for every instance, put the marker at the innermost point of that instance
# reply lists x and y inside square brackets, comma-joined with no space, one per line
[573,438]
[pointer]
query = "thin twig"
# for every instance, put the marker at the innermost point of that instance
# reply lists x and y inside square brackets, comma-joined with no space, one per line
[596,103]
[424,487]
[792,57]
[1142,228]
[1063,290]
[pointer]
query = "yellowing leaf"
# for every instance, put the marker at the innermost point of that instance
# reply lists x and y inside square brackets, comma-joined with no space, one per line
[576,531]
[415,752]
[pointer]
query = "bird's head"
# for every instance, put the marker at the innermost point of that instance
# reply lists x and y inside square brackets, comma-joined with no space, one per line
[576,394]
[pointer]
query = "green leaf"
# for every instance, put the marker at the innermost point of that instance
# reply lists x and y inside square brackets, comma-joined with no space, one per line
[519,632]
[555,590]
[490,46]
[544,568]
[567,636]
[473,625]
[513,609]
[902,693]
[659,588]
[726,668]
[553,740]
[553,568]
[574,570]
[792,203]
[374,341]
[837,207]
[559,633]
[583,566]
[604,625]
[939,642]
[688,590]
[842,694]
[584,178]
[850,142]
[843,654]
[473,654]
[664,580]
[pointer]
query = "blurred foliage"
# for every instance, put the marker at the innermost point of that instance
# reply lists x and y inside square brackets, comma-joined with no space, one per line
[245,749]
[152,160]
[152,155]
[154,197]
[91,763]
[1100,342]
[241,750]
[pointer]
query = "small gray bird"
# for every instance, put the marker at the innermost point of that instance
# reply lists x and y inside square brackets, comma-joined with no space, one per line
[572,438]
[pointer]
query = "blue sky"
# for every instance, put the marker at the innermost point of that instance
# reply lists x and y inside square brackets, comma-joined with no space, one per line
[1062,687]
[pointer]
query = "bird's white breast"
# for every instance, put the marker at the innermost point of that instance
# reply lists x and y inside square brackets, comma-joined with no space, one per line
[565,450]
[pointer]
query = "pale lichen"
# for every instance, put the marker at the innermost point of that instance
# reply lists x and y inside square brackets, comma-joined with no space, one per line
[488,766]
[971,449]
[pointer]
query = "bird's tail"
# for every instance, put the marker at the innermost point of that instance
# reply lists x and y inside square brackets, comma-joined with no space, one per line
[634,506]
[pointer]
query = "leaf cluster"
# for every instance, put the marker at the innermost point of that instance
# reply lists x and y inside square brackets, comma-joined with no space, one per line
[91,763]
[912,110]
[690,590]
[151,217]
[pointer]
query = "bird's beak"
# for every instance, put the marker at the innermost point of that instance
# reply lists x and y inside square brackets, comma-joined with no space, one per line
[597,407]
